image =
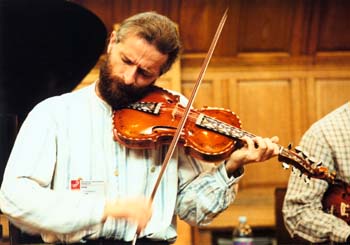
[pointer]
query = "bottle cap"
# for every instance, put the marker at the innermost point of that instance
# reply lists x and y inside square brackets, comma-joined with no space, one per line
[242,219]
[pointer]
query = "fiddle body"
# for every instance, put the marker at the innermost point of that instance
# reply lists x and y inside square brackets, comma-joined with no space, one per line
[336,201]
[209,134]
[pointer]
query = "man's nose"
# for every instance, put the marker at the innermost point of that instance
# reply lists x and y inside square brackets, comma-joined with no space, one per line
[130,75]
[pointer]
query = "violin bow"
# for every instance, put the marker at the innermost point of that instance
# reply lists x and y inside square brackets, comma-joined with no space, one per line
[182,122]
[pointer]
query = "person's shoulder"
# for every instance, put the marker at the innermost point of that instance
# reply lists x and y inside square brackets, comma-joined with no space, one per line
[54,103]
[342,111]
[332,120]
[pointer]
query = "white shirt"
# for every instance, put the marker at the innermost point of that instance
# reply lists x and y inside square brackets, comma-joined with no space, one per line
[70,137]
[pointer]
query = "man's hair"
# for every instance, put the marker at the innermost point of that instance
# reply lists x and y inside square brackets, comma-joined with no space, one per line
[158,30]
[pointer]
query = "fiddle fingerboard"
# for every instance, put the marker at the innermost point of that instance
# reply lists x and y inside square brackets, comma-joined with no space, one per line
[221,127]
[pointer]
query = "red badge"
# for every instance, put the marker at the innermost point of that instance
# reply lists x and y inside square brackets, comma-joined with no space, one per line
[75,184]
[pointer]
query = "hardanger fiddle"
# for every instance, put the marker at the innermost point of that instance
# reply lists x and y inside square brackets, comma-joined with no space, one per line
[209,134]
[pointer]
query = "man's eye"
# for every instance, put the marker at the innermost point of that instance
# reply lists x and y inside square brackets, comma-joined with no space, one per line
[145,73]
[126,61]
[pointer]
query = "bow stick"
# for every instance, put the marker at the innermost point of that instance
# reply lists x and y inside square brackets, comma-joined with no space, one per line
[182,122]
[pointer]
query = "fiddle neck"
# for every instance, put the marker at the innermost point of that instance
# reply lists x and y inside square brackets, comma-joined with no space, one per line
[221,127]
[297,159]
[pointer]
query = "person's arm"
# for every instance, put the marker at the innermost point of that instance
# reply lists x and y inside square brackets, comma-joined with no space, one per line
[137,209]
[302,210]
[26,195]
[205,194]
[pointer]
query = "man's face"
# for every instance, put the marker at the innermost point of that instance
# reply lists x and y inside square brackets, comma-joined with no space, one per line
[132,65]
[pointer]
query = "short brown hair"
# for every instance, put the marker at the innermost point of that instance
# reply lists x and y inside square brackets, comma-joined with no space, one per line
[158,30]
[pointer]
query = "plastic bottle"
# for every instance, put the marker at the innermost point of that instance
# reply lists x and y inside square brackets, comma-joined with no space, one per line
[242,234]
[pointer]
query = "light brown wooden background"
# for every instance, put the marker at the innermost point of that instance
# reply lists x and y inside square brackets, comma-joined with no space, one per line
[279,64]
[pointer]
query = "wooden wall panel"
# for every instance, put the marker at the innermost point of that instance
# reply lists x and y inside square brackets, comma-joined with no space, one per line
[300,30]
[202,18]
[205,95]
[334,33]
[267,26]
[264,111]
[330,93]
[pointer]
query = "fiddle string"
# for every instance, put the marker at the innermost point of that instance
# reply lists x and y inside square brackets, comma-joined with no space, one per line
[238,132]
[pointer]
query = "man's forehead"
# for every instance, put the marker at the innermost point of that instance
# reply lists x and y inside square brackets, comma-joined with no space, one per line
[140,51]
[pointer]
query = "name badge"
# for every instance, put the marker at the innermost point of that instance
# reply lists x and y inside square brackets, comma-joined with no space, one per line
[89,187]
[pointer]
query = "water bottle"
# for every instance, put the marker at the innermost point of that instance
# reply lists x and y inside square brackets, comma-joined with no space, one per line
[242,234]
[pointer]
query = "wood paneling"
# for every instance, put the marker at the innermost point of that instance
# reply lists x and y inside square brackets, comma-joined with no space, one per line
[334,33]
[291,31]
[265,26]
[264,111]
[202,18]
[330,93]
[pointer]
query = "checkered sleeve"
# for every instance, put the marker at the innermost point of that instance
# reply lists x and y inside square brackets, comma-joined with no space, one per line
[329,141]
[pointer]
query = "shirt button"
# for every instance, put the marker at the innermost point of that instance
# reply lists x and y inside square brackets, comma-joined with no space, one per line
[153,168]
[116,172]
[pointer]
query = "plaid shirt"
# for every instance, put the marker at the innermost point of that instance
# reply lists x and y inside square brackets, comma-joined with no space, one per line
[327,140]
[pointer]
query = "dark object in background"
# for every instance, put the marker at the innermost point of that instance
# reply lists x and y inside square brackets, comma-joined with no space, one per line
[8,132]
[46,48]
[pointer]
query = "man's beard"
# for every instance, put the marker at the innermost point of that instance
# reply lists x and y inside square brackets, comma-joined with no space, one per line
[114,91]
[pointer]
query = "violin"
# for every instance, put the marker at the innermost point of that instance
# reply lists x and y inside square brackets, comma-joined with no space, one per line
[210,134]
[336,200]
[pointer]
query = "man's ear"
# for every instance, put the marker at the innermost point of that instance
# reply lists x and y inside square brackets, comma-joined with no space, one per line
[112,40]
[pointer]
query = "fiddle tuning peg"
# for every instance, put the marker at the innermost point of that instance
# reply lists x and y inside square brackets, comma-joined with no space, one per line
[312,160]
[303,153]
[290,145]
[319,164]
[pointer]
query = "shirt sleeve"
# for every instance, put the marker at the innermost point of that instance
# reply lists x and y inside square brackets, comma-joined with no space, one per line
[302,210]
[26,193]
[205,190]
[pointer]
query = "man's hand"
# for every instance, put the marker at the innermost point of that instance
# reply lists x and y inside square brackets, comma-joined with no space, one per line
[254,150]
[138,210]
